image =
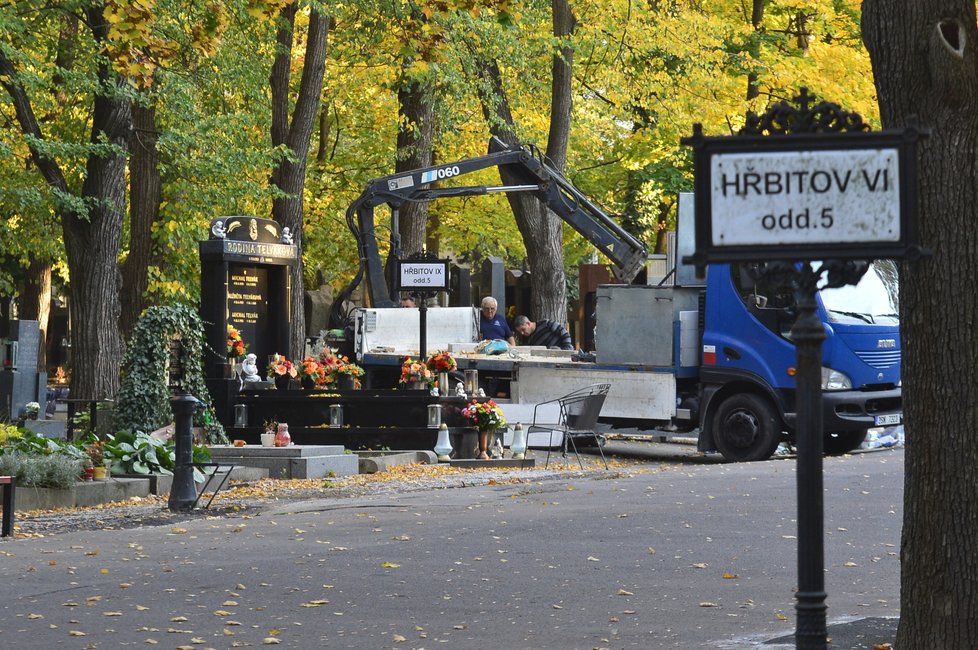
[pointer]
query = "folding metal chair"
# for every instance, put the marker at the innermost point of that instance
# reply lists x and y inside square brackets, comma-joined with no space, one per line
[579,411]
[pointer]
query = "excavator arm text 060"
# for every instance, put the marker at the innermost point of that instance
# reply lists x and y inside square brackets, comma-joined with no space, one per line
[627,253]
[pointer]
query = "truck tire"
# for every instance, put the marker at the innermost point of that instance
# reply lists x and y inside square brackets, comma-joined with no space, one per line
[746,428]
[842,443]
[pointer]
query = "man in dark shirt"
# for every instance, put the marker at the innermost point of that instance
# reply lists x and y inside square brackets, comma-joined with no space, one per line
[493,325]
[543,332]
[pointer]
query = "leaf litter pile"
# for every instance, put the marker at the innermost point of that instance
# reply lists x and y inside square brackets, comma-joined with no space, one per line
[248,497]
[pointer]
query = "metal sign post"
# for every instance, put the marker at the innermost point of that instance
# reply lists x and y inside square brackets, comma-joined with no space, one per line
[800,185]
[423,275]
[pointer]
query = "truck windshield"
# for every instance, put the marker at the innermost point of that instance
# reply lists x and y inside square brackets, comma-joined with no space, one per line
[875,299]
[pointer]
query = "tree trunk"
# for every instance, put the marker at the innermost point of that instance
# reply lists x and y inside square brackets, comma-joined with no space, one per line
[92,240]
[290,175]
[756,18]
[415,138]
[145,197]
[542,230]
[925,64]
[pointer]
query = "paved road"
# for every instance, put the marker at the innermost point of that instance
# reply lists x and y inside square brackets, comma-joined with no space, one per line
[673,555]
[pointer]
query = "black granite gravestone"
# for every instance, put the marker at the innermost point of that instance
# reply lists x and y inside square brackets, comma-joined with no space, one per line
[244,283]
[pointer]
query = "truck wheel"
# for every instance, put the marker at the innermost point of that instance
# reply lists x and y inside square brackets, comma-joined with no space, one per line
[746,428]
[844,442]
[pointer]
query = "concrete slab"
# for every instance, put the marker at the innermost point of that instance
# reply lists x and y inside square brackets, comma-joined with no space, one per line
[230,452]
[83,493]
[372,462]
[296,462]
[508,463]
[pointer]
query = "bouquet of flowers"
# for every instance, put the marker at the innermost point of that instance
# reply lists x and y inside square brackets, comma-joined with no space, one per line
[485,416]
[280,366]
[330,361]
[413,370]
[349,368]
[441,362]
[236,346]
[311,368]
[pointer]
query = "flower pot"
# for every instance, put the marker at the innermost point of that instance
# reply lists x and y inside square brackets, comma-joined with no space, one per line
[88,473]
[308,383]
[100,473]
[283,382]
[268,440]
[345,382]
[418,385]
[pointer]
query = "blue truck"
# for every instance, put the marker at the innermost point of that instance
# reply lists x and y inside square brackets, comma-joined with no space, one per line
[685,356]
[746,377]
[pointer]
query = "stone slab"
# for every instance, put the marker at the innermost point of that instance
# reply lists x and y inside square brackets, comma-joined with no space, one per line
[230,452]
[372,462]
[83,493]
[286,467]
[507,463]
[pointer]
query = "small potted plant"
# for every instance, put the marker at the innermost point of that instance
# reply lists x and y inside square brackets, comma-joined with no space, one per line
[348,375]
[32,410]
[415,374]
[95,451]
[268,434]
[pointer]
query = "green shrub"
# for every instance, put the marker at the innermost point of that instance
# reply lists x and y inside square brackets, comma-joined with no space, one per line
[33,444]
[55,470]
[140,453]
[9,432]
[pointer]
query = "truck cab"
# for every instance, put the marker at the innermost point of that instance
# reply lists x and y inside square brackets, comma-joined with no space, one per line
[748,361]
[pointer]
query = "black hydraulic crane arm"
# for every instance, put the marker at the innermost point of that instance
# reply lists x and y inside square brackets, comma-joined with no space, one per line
[627,254]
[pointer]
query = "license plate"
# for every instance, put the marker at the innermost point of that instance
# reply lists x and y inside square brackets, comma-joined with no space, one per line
[886,420]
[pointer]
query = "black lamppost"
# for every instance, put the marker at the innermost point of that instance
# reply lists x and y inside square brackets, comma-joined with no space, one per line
[183,492]
[808,333]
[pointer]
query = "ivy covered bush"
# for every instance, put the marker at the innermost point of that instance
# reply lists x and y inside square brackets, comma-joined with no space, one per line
[143,402]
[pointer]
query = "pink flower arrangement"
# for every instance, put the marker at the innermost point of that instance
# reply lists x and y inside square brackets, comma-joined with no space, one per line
[485,416]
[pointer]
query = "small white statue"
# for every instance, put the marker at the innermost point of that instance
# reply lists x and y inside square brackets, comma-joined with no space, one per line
[459,390]
[434,391]
[482,393]
[249,368]
[218,229]
[286,235]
